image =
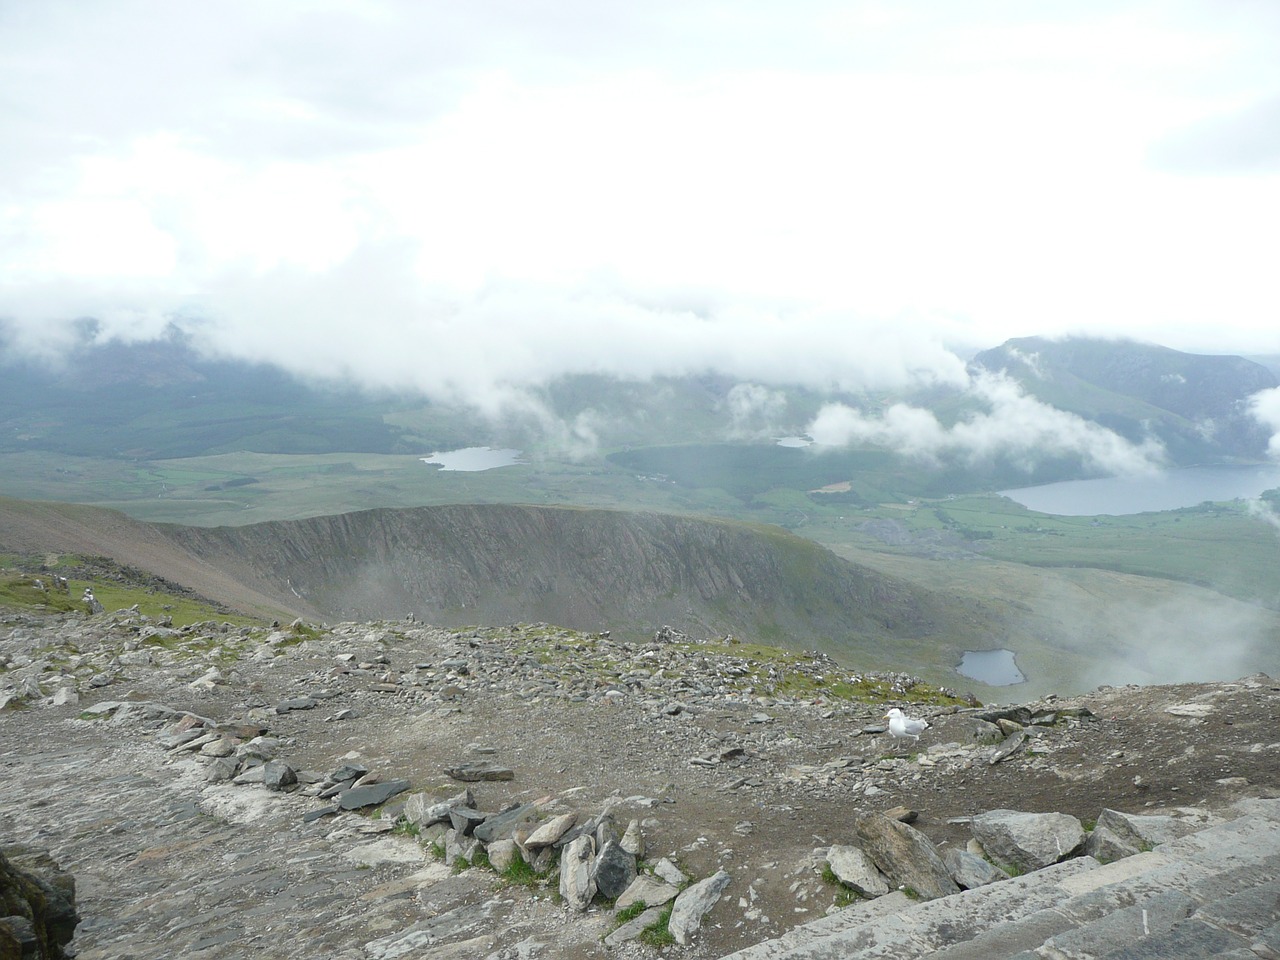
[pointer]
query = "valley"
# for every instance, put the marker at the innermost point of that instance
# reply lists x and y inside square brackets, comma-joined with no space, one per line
[1078,600]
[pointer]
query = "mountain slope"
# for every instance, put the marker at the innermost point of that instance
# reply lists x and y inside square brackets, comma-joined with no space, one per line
[494,564]
[1195,404]
[34,527]
[586,569]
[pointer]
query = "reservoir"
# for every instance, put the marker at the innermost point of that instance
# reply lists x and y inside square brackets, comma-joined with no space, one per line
[1170,490]
[473,459]
[995,668]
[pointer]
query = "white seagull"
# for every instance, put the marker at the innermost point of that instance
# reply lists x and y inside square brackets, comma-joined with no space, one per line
[900,725]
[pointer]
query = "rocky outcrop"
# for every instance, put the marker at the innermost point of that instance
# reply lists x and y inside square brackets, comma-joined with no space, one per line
[37,905]
[1028,841]
[905,856]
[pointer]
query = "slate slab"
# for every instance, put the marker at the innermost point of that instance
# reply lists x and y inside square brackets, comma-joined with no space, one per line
[371,795]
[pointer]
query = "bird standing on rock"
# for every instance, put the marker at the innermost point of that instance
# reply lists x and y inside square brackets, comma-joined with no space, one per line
[900,725]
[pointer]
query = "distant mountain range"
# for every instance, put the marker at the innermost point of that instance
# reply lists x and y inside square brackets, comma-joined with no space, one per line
[162,400]
[1195,404]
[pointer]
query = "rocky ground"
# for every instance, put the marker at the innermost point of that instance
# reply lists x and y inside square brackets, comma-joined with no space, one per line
[724,764]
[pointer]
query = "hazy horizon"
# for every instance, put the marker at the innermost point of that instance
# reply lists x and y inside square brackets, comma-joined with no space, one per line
[471,202]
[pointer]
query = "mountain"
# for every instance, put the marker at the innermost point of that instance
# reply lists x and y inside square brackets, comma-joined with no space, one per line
[494,564]
[582,568]
[1195,404]
[162,399]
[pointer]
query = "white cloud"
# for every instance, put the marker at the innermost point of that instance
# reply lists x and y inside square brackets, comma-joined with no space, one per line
[1015,426]
[754,410]
[1264,406]
[1264,512]
[463,198]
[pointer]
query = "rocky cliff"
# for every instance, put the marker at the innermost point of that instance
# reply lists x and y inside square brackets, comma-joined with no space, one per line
[586,569]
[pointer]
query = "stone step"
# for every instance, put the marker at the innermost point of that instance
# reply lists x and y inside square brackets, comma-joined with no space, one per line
[1210,893]
[916,929]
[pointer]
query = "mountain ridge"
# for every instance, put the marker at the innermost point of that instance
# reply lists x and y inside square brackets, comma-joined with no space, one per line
[493,564]
[1196,404]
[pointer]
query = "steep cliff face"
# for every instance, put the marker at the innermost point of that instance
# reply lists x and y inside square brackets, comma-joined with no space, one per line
[587,569]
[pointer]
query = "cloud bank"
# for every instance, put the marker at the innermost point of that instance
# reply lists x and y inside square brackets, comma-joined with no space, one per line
[1014,426]
[1264,406]
[471,200]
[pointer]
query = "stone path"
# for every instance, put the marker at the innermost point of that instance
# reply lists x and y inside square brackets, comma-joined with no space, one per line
[168,866]
[1215,893]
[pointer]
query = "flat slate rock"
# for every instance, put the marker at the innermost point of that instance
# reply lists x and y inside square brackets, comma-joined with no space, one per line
[473,772]
[502,825]
[372,794]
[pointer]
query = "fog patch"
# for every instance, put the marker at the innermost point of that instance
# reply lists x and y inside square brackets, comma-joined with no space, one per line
[755,411]
[1261,510]
[1185,640]
[1264,407]
[1014,425]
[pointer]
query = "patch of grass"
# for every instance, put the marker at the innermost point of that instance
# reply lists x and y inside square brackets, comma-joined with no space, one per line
[460,864]
[437,849]
[20,590]
[844,895]
[406,828]
[627,914]
[520,872]
[658,934]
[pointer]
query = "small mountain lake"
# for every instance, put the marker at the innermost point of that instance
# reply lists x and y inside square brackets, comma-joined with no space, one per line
[995,668]
[1170,490]
[473,458]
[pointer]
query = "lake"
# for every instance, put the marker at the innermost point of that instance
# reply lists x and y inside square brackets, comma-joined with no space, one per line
[1171,490]
[473,458]
[995,668]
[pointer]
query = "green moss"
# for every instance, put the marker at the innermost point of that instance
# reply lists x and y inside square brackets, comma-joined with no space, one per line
[844,895]
[406,828]
[658,934]
[627,914]
[522,873]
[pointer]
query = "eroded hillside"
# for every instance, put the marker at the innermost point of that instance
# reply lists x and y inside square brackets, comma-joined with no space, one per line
[587,569]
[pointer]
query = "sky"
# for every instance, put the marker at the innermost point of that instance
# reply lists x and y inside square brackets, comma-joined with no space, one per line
[469,199]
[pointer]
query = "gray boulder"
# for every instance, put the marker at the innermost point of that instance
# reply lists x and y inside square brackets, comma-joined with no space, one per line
[1104,846]
[614,870]
[577,883]
[372,794]
[503,825]
[502,854]
[905,855]
[1028,841]
[277,775]
[648,890]
[695,903]
[1144,832]
[856,870]
[423,810]
[969,870]
[551,831]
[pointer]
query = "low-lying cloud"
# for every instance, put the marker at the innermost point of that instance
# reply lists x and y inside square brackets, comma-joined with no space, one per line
[1014,426]
[1265,408]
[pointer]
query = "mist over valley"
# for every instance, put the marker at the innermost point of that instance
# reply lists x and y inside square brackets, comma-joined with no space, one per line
[341,502]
